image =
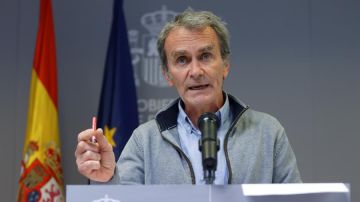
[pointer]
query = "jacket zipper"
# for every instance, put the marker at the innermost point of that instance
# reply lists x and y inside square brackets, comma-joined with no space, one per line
[226,143]
[186,158]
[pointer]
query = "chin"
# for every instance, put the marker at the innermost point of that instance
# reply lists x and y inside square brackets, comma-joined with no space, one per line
[200,98]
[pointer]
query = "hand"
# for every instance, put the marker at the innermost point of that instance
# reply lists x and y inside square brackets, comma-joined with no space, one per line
[95,161]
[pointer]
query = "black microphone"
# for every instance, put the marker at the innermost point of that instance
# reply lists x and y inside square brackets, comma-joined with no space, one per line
[209,144]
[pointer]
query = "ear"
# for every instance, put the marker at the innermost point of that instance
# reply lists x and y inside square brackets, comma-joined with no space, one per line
[226,69]
[168,77]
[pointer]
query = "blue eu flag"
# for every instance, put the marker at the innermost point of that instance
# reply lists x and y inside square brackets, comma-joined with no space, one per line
[118,115]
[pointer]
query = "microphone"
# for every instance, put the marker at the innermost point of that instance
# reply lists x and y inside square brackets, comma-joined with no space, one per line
[209,144]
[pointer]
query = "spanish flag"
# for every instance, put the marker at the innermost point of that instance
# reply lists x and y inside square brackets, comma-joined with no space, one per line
[41,173]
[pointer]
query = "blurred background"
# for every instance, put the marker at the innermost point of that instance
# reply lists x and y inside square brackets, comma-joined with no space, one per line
[296,60]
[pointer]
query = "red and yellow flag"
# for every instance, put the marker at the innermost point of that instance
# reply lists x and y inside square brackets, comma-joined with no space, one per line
[41,173]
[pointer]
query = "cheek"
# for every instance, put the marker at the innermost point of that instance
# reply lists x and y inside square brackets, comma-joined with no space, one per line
[218,75]
[179,77]
[176,78]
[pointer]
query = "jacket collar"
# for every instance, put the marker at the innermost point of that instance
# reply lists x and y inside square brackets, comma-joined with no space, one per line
[167,117]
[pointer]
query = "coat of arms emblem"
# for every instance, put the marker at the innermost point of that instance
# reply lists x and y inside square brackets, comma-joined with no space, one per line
[145,57]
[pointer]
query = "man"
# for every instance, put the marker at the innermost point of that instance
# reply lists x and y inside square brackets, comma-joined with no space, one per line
[194,49]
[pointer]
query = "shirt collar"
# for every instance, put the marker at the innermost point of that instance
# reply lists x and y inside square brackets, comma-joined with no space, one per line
[222,114]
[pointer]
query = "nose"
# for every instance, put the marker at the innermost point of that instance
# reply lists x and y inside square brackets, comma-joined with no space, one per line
[196,69]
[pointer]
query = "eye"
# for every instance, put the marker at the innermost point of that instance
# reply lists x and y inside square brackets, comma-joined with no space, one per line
[206,56]
[182,60]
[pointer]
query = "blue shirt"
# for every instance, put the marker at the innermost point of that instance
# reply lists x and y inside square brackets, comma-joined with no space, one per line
[189,142]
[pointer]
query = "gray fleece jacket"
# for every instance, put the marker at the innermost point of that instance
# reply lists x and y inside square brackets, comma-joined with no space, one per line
[256,151]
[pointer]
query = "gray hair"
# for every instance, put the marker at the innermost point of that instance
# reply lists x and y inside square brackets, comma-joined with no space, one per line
[197,20]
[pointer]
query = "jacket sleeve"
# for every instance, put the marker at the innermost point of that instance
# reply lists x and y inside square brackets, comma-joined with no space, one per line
[285,166]
[130,166]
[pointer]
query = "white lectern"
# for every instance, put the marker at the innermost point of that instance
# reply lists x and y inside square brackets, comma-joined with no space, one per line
[330,192]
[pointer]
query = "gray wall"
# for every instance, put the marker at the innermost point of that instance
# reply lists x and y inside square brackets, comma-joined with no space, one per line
[297,60]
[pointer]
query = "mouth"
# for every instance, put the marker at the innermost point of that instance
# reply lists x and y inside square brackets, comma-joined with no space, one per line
[199,87]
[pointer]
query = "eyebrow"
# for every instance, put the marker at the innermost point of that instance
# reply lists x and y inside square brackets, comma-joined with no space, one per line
[207,48]
[174,54]
[210,47]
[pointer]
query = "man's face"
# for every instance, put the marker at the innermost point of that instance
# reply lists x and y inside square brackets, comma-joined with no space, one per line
[195,66]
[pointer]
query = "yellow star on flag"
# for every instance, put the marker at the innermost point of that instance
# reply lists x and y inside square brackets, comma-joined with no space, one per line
[109,134]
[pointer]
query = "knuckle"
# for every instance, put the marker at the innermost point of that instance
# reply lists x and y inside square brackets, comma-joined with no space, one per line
[82,144]
[84,134]
[86,155]
[82,169]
